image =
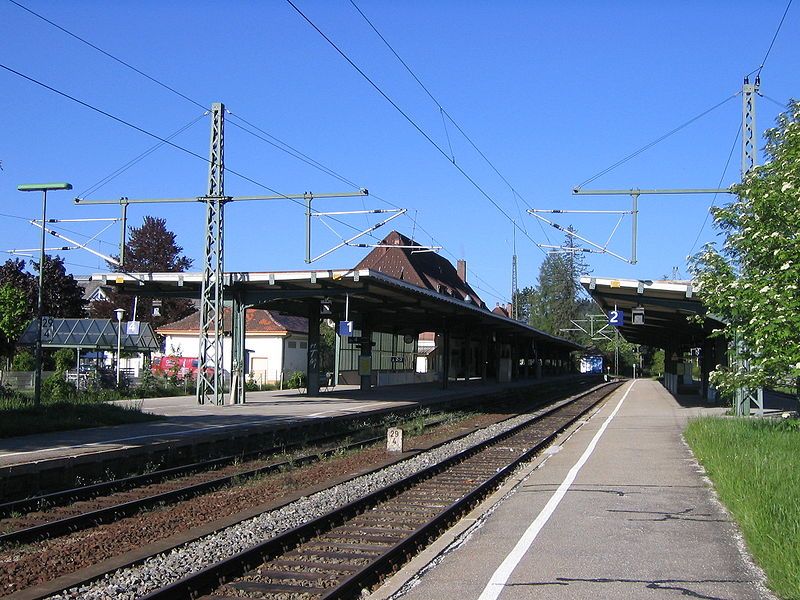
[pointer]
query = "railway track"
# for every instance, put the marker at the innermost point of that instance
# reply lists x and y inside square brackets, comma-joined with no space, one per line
[56,514]
[88,508]
[351,548]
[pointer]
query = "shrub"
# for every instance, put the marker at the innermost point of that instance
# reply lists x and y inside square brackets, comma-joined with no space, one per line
[23,361]
[56,388]
[296,380]
[64,359]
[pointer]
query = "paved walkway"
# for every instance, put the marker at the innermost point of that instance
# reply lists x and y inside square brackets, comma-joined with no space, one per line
[619,509]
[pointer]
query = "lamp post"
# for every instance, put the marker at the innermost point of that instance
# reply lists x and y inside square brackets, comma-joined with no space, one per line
[119,312]
[44,188]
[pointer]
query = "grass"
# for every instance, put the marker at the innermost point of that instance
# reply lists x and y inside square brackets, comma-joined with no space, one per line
[755,467]
[18,415]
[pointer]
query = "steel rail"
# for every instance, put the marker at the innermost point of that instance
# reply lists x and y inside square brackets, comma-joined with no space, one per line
[94,490]
[125,509]
[213,576]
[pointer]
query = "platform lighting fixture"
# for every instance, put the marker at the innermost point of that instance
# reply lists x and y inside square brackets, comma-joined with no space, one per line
[44,188]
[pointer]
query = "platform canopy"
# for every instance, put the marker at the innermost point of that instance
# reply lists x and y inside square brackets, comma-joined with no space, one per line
[654,313]
[95,334]
[392,304]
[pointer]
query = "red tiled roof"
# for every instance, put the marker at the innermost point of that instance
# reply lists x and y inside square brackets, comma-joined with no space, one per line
[500,310]
[257,320]
[424,269]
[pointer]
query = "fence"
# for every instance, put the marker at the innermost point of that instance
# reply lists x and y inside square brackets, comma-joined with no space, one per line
[21,380]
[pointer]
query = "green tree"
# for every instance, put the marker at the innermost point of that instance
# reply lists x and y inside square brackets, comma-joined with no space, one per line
[62,296]
[752,282]
[558,298]
[151,248]
[14,317]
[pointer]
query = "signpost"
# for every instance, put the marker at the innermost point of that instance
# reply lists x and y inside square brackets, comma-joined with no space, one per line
[345,328]
[616,317]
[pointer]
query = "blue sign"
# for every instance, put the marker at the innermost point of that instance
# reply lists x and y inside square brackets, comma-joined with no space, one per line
[345,328]
[615,317]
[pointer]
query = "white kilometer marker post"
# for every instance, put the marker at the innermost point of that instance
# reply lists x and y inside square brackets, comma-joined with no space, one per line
[503,572]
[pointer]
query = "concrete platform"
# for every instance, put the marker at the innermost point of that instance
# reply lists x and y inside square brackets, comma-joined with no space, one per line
[187,419]
[618,508]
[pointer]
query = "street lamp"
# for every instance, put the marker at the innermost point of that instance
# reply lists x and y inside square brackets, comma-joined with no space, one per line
[44,188]
[119,312]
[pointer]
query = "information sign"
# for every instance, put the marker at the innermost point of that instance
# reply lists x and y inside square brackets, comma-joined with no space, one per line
[345,328]
[616,318]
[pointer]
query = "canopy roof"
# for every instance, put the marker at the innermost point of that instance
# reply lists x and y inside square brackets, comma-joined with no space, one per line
[666,309]
[97,334]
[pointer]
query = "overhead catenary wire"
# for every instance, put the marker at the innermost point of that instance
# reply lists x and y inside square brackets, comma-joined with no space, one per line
[654,142]
[411,121]
[108,54]
[714,197]
[114,174]
[274,141]
[444,113]
[760,67]
[775,102]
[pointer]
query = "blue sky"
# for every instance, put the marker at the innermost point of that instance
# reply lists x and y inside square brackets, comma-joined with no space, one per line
[551,93]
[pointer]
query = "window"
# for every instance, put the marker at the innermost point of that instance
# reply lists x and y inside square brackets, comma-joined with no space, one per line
[292,344]
[303,345]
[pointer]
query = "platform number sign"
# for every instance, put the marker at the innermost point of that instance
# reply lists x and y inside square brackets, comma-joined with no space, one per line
[345,328]
[615,318]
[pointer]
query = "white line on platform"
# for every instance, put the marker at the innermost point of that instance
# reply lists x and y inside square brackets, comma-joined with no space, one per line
[506,568]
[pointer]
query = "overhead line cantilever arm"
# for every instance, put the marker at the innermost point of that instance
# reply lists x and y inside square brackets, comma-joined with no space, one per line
[580,192]
[361,192]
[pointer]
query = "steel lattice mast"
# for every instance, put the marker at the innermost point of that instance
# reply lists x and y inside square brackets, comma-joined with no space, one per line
[209,380]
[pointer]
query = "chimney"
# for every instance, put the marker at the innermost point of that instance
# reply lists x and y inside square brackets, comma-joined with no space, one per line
[461,269]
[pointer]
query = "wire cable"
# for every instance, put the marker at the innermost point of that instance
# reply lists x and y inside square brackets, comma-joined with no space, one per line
[108,54]
[270,139]
[444,113]
[279,144]
[780,104]
[714,198]
[654,142]
[284,147]
[161,139]
[772,43]
[108,178]
[412,122]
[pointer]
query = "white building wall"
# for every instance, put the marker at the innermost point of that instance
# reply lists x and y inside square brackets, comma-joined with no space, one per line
[296,354]
[265,353]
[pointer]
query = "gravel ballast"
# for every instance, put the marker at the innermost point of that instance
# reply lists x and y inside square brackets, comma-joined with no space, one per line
[167,568]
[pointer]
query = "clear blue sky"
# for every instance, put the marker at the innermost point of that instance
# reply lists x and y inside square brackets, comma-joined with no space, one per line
[551,93]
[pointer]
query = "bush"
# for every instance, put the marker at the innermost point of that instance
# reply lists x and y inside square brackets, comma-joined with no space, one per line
[251,385]
[56,388]
[23,361]
[64,359]
[296,380]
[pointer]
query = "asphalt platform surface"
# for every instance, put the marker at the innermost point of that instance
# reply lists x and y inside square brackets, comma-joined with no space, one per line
[618,508]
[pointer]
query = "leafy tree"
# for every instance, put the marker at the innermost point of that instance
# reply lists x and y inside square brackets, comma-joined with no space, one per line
[752,283]
[151,248]
[327,346]
[62,297]
[558,297]
[14,317]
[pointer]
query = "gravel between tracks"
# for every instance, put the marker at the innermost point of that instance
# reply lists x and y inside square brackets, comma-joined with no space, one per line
[167,568]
